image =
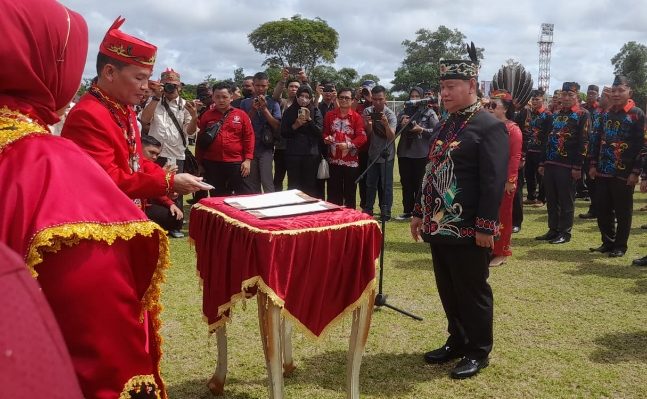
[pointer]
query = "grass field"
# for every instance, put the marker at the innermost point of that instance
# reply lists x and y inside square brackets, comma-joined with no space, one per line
[568,324]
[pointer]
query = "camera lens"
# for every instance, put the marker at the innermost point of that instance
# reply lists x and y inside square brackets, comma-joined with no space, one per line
[169,87]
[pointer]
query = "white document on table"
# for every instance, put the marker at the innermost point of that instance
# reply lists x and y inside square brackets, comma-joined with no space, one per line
[280,198]
[292,210]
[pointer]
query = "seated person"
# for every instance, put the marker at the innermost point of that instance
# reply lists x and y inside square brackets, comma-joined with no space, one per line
[162,210]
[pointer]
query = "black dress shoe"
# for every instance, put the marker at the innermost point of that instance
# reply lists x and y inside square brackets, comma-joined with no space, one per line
[561,239]
[467,368]
[442,355]
[616,253]
[516,229]
[640,261]
[551,235]
[587,215]
[603,249]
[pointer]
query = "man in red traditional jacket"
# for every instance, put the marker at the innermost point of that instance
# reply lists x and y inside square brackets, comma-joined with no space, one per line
[105,126]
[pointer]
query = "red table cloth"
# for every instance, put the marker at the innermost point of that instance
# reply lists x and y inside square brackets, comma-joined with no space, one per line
[316,267]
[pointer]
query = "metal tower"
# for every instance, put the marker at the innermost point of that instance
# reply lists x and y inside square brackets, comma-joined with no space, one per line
[545,44]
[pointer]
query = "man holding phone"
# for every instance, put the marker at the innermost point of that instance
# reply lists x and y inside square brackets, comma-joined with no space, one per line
[380,123]
[265,114]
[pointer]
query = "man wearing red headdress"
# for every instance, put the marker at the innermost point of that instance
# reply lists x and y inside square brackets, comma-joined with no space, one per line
[104,123]
[97,258]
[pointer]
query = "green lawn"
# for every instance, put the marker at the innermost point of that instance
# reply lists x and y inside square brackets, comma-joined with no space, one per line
[568,324]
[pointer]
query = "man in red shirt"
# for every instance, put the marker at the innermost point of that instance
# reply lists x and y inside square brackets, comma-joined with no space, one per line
[344,134]
[105,126]
[227,161]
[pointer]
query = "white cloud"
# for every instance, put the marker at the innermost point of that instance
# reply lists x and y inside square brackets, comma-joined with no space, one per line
[202,37]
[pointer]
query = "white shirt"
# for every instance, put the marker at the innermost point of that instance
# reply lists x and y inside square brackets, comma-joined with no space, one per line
[164,130]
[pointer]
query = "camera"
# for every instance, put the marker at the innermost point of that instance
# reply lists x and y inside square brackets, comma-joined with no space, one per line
[170,87]
[376,116]
[293,70]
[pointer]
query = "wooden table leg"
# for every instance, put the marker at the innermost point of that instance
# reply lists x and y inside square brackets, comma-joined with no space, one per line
[217,382]
[269,320]
[358,338]
[286,344]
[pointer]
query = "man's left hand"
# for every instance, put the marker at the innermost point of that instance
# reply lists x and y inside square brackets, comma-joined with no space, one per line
[484,240]
[632,180]
[190,106]
[245,167]
[576,174]
[175,211]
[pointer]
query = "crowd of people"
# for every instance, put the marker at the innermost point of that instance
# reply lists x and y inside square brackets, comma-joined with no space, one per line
[462,164]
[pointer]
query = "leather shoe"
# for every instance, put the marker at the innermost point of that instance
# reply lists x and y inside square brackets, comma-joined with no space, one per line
[551,235]
[442,355]
[587,215]
[603,249]
[561,239]
[616,253]
[516,229]
[467,368]
[640,261]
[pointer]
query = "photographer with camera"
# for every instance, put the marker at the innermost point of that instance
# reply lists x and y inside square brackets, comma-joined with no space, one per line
[172,120]
[413,146]
[326,98]
[361,101]
[380,123]
[226,160]
[265,114]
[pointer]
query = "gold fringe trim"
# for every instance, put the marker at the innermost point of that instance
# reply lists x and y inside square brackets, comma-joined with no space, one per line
[52,239]
[240,224]
[15,126]
[264,288]
[135,384]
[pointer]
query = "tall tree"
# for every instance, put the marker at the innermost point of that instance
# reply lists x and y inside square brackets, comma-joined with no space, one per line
[239,76]
[297,42]
[420,65]
[631,62]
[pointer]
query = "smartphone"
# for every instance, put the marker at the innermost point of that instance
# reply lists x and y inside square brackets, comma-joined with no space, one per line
[302,112]
[293,70]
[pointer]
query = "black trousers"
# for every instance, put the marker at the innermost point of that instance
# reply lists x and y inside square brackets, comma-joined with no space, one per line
[412,171]
[517,201]
[560,198]
[461,278]
[590,184]
[302,172]
[341,185]
[162,216]
[225,177]
[179,201]
[615,200]
[280,169]
[363,163]
[534,180]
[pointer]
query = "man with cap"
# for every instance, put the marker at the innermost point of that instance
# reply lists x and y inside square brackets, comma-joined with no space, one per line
[103,123]
[541,123]
[457,212]
[593,106]
[562,163]
[172,120]
[615,166]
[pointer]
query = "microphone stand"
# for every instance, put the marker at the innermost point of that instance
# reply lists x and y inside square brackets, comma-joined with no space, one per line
[381,297]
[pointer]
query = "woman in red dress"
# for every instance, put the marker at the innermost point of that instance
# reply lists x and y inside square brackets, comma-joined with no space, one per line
[501,106]
[97,258]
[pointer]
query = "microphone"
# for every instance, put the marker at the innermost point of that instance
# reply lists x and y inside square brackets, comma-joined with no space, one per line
[421,102]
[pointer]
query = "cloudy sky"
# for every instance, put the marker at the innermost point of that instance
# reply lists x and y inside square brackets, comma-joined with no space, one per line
[201,37]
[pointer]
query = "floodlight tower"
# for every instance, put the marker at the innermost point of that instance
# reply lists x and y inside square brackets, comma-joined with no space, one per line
[545,44]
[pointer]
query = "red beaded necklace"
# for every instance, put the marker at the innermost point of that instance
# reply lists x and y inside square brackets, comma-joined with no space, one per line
[129,130]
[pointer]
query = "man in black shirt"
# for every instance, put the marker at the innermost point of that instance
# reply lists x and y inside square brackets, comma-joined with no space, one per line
[457,214]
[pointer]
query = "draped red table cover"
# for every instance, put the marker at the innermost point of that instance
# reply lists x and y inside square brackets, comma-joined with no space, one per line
[316,267]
